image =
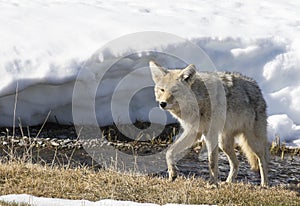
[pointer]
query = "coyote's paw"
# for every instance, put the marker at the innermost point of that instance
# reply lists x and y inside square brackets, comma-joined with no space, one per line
[172,178]
[212,183]
[172,175]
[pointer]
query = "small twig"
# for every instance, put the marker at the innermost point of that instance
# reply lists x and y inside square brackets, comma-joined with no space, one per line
[43,124]
[54,157]
[21,128]
[15,109]
[31,145]
[14,123]
[282,151]
[56,120]
[70,158]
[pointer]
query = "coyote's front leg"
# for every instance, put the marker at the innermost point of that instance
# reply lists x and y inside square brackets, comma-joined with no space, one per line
[176,151]
[211,142]
[213,165]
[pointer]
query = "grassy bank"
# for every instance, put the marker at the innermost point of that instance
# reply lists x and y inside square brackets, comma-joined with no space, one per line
[84,183]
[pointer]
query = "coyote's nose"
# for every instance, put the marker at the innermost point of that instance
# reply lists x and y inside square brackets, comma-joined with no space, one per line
[163,104]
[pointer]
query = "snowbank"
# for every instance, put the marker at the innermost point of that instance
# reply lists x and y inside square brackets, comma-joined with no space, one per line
[42,201]
[46,44]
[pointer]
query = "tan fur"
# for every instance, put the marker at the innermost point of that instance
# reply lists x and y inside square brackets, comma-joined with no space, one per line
[252,159]
[221,106]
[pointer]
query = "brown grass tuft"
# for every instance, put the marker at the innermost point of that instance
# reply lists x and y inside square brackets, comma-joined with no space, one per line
[84,183]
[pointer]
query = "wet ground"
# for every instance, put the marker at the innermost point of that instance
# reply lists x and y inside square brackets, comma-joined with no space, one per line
[60,146]
[281,171]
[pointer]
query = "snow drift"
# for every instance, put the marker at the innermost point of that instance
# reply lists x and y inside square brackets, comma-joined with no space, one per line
[46,44]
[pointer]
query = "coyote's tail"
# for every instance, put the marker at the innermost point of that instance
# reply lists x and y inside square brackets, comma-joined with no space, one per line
[247,150]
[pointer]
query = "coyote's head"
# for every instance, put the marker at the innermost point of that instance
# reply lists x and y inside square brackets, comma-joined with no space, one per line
[172,86]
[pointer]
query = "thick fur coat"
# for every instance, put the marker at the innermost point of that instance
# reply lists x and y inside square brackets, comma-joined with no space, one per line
[221,106]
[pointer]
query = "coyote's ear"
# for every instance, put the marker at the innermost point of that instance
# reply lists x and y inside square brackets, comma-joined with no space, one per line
[188,73]
[157,71]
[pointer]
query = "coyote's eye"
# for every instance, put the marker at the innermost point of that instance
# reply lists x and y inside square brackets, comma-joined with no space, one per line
[162,90]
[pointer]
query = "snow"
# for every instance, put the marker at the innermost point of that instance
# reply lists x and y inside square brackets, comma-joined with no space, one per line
[49,47]
[54,53]
[42,201]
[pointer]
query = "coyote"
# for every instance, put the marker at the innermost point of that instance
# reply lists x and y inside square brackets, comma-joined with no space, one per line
[221,106]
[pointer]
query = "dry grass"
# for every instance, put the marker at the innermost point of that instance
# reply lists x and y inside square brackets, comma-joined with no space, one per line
[84,183]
